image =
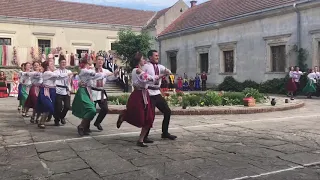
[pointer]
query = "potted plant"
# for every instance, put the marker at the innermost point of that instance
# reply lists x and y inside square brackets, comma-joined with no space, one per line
[249,101]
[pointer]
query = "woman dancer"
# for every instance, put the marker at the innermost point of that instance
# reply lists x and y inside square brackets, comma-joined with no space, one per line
[36,81]
[83,106]
[20,85]
[3,85]
[197,83]
[140,111]
[311,84]
[47,94]
[26,84]
[296,76]
[291,85]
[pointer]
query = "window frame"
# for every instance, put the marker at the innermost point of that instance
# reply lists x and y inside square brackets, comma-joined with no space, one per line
[224,47]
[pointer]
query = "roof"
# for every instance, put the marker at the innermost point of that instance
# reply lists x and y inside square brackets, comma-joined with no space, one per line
[157,16]
[72,11]
[220,10]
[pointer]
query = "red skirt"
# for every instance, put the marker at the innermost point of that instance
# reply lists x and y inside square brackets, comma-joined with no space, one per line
[31,101]
[137,113]
[3,92]
[291,85]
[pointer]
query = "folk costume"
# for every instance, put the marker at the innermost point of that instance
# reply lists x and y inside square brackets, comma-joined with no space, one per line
[180,83]
[204,81]
[185,85]
[291,85]
[139,111]
[83,106]
[14,90]
[296,77]
[47,95]
[191,84]
[171,82]
[164,83]
[31,102]
[25,88]
[99,95]
[3,87]
[157,99]
[62,102]
[311,85]
[197,83]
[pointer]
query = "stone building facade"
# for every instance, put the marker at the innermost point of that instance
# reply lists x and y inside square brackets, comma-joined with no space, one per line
[251,41]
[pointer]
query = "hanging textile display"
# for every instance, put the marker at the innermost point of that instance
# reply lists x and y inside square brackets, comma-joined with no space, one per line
[4,55]
[47,51]
[1,48]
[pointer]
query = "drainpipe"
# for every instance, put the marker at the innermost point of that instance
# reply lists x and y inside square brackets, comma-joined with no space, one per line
[159,41]
[298,25]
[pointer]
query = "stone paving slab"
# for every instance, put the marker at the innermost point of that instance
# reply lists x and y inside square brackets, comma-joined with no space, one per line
[208,147]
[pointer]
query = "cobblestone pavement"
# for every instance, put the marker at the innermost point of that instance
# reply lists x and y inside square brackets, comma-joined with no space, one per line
[276,146]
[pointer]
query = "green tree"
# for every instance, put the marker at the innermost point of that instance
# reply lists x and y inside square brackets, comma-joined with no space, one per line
[130,43]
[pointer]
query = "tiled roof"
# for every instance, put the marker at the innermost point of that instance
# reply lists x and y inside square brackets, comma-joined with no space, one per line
[219,10]
[157,16]
[71,11]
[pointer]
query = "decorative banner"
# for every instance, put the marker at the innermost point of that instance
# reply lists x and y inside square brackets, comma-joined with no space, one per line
[47,51]
[1,54]
[4,56]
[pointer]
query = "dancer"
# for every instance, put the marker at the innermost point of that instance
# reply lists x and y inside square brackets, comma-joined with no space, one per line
[62,104]
[26,84]
[291,86]
[3,85]
[47,94]
[99,95]
[36,81]
[153,68]
[82,105]
[311,84]
[140,111]
[296,77]
[20,85]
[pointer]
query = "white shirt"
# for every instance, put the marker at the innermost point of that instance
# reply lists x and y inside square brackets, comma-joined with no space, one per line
[317,75]
[62,82]
[100,82]
[36,77]
[148,68]
[312,76]
[296,75]
[20,77]
[25,78]
[87,75]
[141,80]
[49,78]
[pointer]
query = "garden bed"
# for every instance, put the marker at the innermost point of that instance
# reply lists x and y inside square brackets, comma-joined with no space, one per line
[207,99]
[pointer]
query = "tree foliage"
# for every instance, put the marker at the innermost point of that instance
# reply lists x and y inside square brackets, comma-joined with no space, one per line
[129,43]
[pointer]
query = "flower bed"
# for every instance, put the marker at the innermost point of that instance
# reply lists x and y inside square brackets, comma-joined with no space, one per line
[210,98]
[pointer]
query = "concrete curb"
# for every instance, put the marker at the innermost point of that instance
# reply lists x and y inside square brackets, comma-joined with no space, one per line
[116,109]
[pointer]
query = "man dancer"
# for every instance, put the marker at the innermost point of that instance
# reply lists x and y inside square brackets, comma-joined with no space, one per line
[153,68]
[99,95]
[204,81]
[63,94]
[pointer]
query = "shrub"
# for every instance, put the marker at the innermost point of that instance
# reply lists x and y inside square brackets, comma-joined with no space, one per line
[212,98]
[250,84]
[230,84]
[233,98]
[274,86]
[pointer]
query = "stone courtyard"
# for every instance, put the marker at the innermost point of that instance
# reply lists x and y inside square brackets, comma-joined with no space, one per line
[282,145]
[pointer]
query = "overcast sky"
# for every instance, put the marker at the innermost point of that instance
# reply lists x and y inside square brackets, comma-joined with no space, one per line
[153,5]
